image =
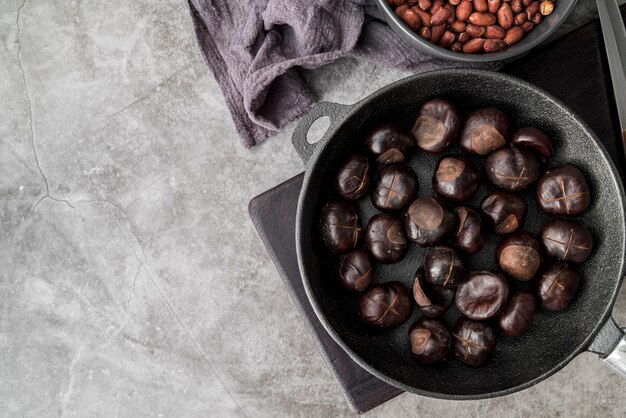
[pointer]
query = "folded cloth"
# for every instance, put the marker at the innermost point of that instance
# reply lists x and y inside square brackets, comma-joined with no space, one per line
[254,49]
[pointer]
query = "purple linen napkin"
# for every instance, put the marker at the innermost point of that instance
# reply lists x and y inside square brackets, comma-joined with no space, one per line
[254,48]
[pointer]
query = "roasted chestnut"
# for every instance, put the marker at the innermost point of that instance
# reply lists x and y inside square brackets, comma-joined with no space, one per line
[557,286]
[473,341]
[432,301]
[485,130]
[470,236]
[456,179]
[385,137]
[385,239]
[427,221]
[340,228]
[355,272]
[512,168]
[563,191]
[437,125]
[385,306]
[518,316]
[519,254]
[505,211]
[353,178]
[430,341]
[391,156]
[395,187]
[443,267]
[483,295]
[566,240]
[534,140]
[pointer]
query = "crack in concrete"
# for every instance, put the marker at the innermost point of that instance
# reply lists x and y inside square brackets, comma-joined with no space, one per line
[70,385]
[132,292]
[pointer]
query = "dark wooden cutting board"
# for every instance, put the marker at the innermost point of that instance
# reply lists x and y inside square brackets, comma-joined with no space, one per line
[573,68]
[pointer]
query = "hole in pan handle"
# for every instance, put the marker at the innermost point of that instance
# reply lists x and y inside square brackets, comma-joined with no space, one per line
[610,344]
[333,111]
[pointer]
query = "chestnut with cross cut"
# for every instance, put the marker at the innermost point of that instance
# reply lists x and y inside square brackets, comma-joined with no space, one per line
[432,301]
[519,255]
[437,125]
[473,341]
[443,267]
[512,168]
[395,187]
[534,140]
[518,316]
[557,286]
[483,295]
[430,341]
[385,306]
[505,211]
[384,239]
[427,221]
[340,227]
[485,130]
[563,191]
[386,137]
[566,240]
[356,270]
[455,178]
[469,236]
[353,178]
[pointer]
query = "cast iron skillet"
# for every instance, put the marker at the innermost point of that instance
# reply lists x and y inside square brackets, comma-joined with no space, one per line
[555,338]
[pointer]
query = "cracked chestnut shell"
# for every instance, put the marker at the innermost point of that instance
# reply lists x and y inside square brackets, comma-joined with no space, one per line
[519,255]
[443,267]
[455,178]
[512,168]
[470,236]
[518,316]
[557,286]
[432,301]
[353,178]
[385,137]
[534,140]
[483,295]
[385,306]
[505,211]
[395,188]
[485,130]
[563,191]
[384,239]
[340,227]
[566,240]
[430,341]
[427,221]
[437,125]
[355,272]
[473,341]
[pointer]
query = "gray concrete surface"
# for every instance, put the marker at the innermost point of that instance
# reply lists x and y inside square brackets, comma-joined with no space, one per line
[132,282]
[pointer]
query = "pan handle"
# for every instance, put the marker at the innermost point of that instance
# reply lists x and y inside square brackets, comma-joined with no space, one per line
[334,111]
[610,344]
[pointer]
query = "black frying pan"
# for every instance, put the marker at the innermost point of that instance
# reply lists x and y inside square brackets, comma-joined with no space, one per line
[555,338]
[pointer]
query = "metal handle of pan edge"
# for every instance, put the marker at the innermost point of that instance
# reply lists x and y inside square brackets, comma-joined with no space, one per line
[610,345]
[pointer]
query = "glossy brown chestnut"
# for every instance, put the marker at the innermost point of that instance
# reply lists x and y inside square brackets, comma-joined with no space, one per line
[430,341]
[470,236]
[384,239]
[566,240]
[518,316]
[391,156]
[473,341]
[519,255]
[340,226]
[505,211]
[443,267]
[427,221]
[395,187]
[356,270]
[437,125]
[563,191]
[512,168]
[485,130]
[353,178]
[385,306]
[534,140]
[455,178]
[557,286]
[385,137]
[483,295]
[432,301]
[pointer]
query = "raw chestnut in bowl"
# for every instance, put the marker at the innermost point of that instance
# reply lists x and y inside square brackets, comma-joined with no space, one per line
[340,228]
[557,286]
[437,125]
[385,306]
[512,168]
[430,341]
[427,221]
[469,236]
[391,156]
[386,137]
[455,178]
[432,301]
[473,341]
[566,240]
[443,267]
[505,211]
[395,187]
[485,130]
[355,272]
[534,140]
[518,316]
[519,255]
[352,181]
[483,295]
[563,191]
[385,239]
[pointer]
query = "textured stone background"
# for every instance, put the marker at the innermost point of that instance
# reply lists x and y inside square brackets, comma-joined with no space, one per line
[132,282]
